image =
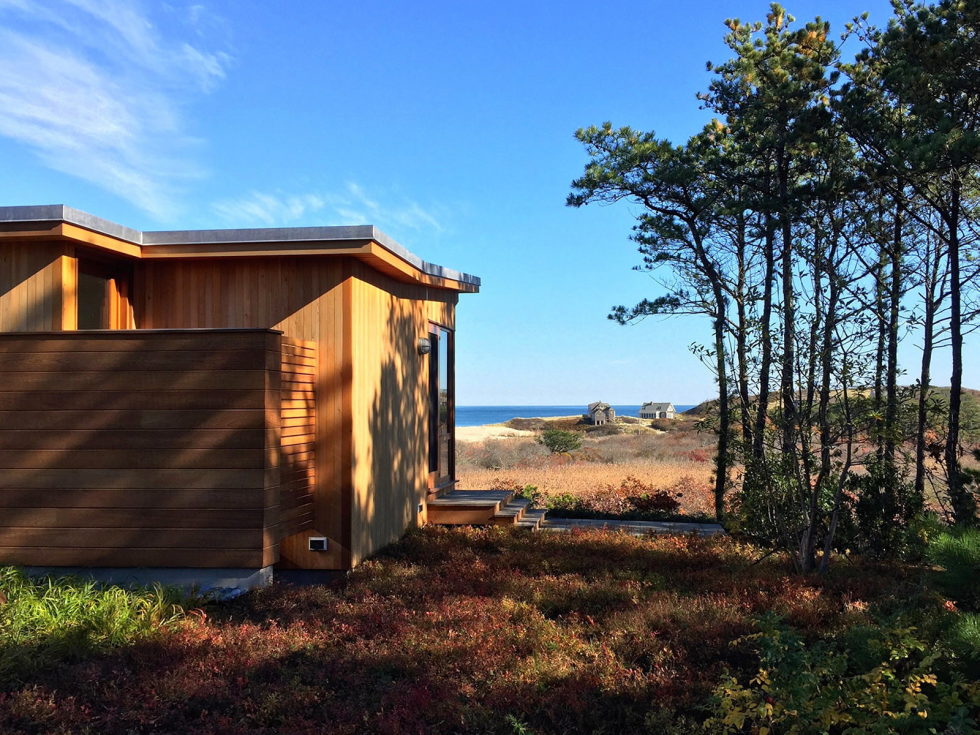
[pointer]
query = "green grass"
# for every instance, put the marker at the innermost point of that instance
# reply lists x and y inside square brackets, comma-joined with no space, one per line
[47,619]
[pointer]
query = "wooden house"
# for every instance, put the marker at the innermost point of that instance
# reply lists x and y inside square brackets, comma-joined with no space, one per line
[220,401]
[657,411]
[600,413]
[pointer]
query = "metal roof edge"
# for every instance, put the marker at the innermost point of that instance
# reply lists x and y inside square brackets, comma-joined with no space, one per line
[62,213]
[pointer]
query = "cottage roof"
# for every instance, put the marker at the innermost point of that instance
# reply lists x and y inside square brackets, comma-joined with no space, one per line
[365,242]
[598,406]
[657,407]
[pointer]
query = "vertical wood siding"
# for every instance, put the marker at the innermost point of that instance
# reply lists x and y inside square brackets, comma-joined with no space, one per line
[31,285]
[390,404]
[131,448]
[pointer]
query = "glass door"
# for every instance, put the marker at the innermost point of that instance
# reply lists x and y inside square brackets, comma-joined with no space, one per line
[442,405]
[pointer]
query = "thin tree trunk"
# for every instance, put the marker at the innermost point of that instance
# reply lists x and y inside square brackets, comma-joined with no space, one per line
[922,418]
[891,376]
[724,414]
[765,361]
[787,381]
[964,509]
[741,340]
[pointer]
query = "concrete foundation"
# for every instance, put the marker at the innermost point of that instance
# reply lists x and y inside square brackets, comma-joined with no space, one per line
[221,584]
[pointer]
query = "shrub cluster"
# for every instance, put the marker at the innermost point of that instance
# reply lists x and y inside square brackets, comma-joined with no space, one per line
[914,670]
[632,499]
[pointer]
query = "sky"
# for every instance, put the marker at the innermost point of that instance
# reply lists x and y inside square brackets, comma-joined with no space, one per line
[449,125]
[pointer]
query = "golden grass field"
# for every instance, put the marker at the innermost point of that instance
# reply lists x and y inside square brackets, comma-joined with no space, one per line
[678,461]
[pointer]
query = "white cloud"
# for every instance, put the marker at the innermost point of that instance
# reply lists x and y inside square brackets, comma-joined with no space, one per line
[351,206]
[95,89]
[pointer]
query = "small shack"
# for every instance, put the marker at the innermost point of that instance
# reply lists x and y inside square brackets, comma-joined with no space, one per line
[600,413]
[657,411]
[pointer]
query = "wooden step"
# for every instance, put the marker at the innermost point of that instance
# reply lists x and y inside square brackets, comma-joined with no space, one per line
[512,513]
[467,507]
[532,519]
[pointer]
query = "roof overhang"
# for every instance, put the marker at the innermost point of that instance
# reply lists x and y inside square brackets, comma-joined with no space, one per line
[363,242]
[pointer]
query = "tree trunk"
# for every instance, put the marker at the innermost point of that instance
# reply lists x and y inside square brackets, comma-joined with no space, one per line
[787,378]
[891,375]
[724,414]
[765,360]
[922,417]
[741,340]
[964,508]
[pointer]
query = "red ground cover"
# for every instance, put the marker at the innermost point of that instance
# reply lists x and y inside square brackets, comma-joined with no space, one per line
[454,631]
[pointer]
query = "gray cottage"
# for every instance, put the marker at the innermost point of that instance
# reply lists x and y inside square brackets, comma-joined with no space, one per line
[600,413]
[657,411]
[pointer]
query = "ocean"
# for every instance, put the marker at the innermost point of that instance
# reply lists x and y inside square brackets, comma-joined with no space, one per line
[480,415]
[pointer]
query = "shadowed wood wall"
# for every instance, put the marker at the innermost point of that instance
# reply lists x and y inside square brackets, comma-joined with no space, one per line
[390,404]
[305,299]
[132,448]
[297,462]
[31,295]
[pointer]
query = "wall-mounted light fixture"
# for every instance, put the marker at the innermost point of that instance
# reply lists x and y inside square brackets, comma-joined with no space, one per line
[425,346]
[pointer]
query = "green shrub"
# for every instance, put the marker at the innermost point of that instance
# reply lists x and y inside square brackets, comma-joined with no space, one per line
[957,552]
[53,619]
[889,684]
[885,513]
[531,494]
[559,441]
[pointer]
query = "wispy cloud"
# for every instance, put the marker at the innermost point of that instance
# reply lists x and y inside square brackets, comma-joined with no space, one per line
[351,206]
[95,89]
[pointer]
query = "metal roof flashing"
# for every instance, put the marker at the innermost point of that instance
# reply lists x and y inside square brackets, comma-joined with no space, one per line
[271,235]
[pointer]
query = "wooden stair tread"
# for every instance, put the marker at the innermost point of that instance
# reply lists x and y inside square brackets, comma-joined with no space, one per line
[532,519]
[471,497]
[515,507]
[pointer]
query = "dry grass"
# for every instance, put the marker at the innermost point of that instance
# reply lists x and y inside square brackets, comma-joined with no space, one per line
[692,480]
[679,461]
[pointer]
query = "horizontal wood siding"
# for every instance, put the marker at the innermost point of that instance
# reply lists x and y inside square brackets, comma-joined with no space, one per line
[125,449]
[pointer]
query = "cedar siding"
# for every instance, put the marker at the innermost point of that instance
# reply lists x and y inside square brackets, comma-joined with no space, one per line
[179,469]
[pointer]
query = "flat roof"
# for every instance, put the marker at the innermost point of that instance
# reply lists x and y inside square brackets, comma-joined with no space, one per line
[267,235]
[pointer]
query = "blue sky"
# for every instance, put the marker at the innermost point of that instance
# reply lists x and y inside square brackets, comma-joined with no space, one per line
[447,124]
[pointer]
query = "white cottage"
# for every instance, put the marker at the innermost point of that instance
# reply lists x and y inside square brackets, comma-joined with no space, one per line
[657,411]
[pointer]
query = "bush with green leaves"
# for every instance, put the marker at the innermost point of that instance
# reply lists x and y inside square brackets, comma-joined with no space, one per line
[881,679]
[957,552]
[559,441]
[886,511]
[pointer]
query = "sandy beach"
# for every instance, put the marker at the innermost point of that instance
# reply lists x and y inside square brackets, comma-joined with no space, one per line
[491,431]
[501,431]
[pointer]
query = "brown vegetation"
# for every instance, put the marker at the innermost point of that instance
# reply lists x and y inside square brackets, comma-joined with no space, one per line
[678,461]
